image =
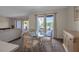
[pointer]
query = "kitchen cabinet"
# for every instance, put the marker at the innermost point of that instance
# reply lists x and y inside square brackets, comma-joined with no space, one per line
[71,41]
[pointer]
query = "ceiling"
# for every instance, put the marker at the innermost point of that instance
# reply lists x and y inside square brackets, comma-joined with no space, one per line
[12,11]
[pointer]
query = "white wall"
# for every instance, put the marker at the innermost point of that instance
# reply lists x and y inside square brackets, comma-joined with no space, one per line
[32,22]
[4,22]
[60,20]
[76,25]
[12,22]
[70,23]
[70,18]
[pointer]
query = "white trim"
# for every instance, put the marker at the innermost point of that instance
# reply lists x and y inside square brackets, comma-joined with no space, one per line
[65,48]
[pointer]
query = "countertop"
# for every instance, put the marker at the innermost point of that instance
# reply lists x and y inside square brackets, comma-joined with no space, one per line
[75,34]
[7,47]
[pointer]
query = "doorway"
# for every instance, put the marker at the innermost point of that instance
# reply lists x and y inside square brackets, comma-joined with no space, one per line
[25,26]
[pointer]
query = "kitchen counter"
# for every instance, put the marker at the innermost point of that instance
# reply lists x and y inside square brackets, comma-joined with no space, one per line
[7,47]
[75,34]
[71,40]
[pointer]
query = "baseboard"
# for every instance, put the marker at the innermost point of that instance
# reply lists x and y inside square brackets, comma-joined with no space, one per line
[58,38]
[14,39]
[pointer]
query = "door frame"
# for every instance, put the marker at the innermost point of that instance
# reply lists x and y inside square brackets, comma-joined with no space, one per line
[55,24]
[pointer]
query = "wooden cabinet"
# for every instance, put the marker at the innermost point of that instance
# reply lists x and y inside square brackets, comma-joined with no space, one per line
[70,44]
[71,41]
[27,42]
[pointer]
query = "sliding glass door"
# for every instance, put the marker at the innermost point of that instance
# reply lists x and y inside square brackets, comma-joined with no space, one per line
[49,25]
[40,25]
[45,25]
